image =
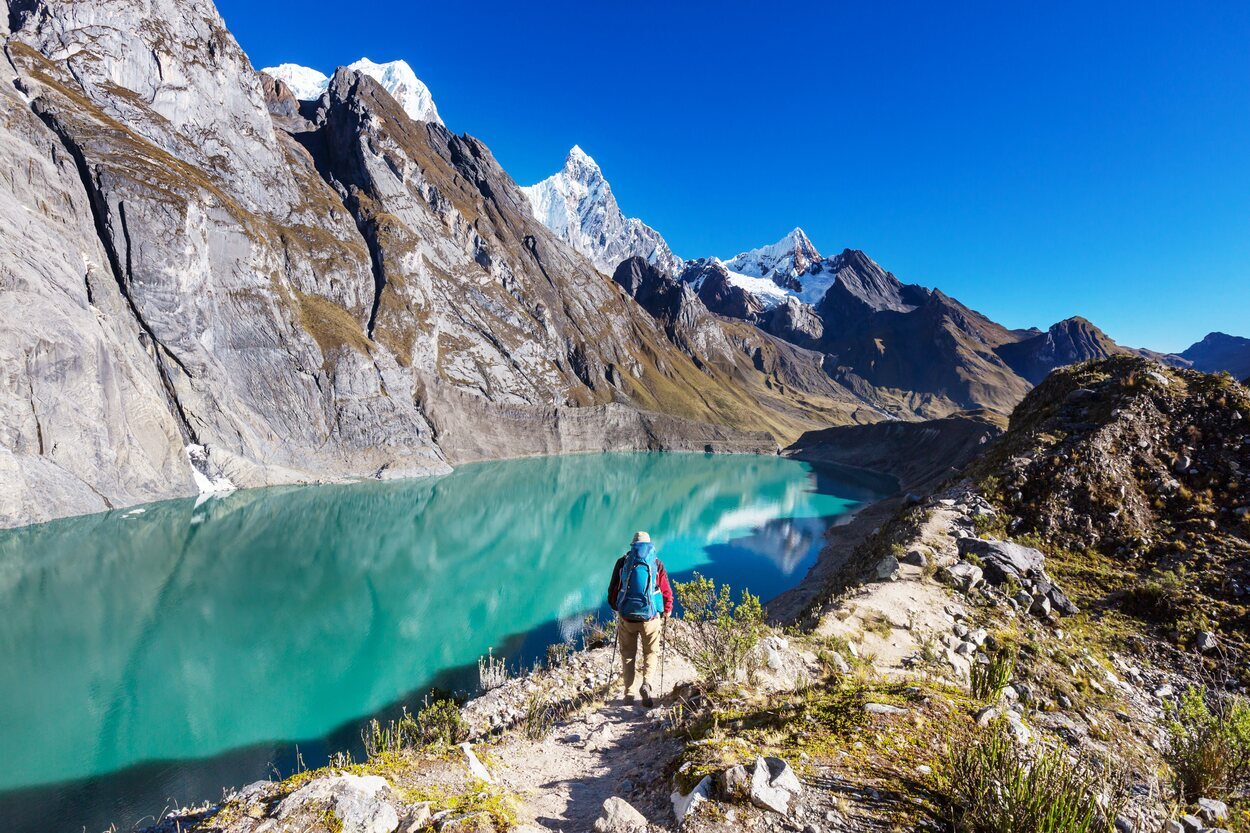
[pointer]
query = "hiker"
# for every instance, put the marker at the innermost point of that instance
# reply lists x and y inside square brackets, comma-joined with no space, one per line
[643,599]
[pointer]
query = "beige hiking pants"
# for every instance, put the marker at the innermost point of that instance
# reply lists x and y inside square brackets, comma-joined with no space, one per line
[629,635]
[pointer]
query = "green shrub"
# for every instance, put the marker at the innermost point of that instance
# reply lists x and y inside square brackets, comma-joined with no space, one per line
[394,736]
[719,637]
[989,784]
[988,679]
[440,723]
[1209,744]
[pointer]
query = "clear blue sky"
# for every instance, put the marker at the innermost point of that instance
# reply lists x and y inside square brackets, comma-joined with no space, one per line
[1036,161]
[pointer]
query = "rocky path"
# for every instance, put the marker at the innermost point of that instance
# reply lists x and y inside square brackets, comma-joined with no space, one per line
[610,749]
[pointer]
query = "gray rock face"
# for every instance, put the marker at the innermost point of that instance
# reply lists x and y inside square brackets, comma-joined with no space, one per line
[308,292]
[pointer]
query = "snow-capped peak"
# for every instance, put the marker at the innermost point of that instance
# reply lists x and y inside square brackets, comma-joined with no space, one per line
[396,77]
[578,158]
[305,83]
[404,86]
[782,261]
[577,204]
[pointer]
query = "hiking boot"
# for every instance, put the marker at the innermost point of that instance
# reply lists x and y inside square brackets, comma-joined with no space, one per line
[629,699]
[647,702]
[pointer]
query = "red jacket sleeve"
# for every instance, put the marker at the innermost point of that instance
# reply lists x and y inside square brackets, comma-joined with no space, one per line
[666,589]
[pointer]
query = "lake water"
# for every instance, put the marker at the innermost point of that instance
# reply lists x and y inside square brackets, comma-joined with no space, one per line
[155,657]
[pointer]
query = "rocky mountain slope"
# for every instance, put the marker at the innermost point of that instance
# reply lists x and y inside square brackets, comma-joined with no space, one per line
[211,283]
[1141,469]
[1220,352]
[577,204]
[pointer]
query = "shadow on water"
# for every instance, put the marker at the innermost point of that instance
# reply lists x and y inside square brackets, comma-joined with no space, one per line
[767,557]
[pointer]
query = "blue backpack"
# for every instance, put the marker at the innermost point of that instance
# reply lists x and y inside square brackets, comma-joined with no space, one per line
[639,598]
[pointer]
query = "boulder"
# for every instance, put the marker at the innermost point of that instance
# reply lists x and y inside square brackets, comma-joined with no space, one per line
[359,801]
[619,816]
[1192,824]
[1212,810]
[887,569]
[916,558]
[773,785]
[964,576]
[1003,559]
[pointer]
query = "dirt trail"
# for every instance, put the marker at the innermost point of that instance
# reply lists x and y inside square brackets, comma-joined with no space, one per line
[612,749]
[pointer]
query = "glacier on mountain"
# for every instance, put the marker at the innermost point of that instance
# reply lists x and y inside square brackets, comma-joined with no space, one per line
[792,263]
[396,77]
[577,204]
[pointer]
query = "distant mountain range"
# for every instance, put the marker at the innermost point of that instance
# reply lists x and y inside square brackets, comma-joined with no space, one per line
[870,325]
[220,277]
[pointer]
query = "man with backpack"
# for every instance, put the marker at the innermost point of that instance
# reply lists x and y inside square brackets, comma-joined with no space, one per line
[642,598]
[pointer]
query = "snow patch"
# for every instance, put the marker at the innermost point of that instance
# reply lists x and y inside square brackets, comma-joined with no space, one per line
[207,482]
[306,83]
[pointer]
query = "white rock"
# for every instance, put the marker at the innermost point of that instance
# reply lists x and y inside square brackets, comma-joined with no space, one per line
[476,767]
[684,805]
[883,708]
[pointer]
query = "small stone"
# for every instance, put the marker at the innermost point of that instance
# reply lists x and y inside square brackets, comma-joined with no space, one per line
[1212,810]
[735,783]
[1191,824]
[1164,691]
[1123,825]
[962,575]
[883,708]
[887,569]
[1173,826]
[986,716]
[978,637]
[1206,642]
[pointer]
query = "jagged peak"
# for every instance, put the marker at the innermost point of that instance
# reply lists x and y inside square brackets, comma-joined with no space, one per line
[577,156]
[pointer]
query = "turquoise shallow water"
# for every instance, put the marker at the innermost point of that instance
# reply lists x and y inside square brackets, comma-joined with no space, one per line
[170,652]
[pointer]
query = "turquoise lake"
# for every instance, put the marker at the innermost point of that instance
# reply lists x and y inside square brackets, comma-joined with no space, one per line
[161,655]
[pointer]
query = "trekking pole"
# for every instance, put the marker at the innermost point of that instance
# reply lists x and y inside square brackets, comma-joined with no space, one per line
[616,646]
[663,651]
